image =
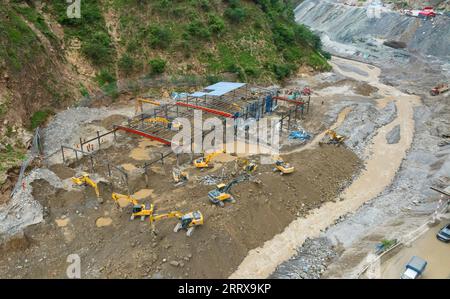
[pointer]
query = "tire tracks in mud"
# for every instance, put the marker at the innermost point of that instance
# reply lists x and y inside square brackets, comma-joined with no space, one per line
[380,169]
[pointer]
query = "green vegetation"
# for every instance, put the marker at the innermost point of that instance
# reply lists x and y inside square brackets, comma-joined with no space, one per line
[235,12]
[19,45]
[108,83]
[39,117]
[257,40]
[90,29]
[10,156]
[36,19]
[157,66]
[127,64]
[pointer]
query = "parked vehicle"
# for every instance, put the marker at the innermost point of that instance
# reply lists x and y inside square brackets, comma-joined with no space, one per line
[444,234]
[415,268]
[439,89]
[427,12]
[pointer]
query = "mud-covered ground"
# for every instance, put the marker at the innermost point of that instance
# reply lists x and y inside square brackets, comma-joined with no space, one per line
[123,248]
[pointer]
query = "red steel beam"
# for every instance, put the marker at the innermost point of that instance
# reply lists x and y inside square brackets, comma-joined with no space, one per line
[213,111]
[146,135]
[288,100]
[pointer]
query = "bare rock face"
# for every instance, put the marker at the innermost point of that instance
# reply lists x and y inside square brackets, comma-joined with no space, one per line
[394,135]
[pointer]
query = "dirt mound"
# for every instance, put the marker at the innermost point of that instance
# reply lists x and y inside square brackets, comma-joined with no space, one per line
[112,120]
[359,87]
[18,242]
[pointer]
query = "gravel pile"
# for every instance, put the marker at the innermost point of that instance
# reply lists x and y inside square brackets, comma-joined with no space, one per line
[362,122]
[209,180]
[66,126]
[311,260]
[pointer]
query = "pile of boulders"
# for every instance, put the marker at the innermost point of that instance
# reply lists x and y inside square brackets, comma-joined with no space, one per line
[310,262]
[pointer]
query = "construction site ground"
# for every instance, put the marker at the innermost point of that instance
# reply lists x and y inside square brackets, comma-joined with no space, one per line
[249,238]
[110,245]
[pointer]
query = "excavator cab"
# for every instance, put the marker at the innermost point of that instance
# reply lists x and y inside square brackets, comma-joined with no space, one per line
[84,180]
[221,194]
[185,221]
[204,162]
[143,210]
[189,222]
[333,138]
[138,210]
[180,177]
[251,167]
[283,167]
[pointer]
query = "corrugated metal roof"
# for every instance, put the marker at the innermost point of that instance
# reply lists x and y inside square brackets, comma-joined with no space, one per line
[218,89]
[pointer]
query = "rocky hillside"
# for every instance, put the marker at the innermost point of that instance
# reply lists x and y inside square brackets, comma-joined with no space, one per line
[48,60]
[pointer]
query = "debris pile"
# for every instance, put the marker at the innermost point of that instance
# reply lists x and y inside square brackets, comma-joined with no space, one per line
[310,262]
[301,135]
[210,179]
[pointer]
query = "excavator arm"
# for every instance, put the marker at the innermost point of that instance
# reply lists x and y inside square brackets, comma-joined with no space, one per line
[93,185]
[210,156]
[85,179]
[116,197]
[140,101]
[174,214]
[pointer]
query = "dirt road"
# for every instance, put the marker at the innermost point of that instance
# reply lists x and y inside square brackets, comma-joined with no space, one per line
[383,162]
[435,252]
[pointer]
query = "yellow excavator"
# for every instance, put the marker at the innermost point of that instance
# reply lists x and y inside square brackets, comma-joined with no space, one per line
[139,210]
[221,194]
[139,103]
[180,177]
[283,167]
[204,162]
[333,138]
[84,180]
[162,120]
[186,221]
[157,120]
[247,165]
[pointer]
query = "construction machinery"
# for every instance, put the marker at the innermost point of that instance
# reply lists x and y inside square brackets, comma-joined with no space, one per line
[333,138]
[84,180]
[139,210]
[186,221]
[439,89]
[221,194]
[246,165]
[162,120]
[180,177]
[139,104]
[283,167]
[204,162]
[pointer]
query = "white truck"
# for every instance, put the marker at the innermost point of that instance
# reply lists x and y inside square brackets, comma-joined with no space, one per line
[414,268]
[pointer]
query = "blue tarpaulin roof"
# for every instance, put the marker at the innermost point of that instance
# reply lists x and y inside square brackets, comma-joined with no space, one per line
[218,89]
